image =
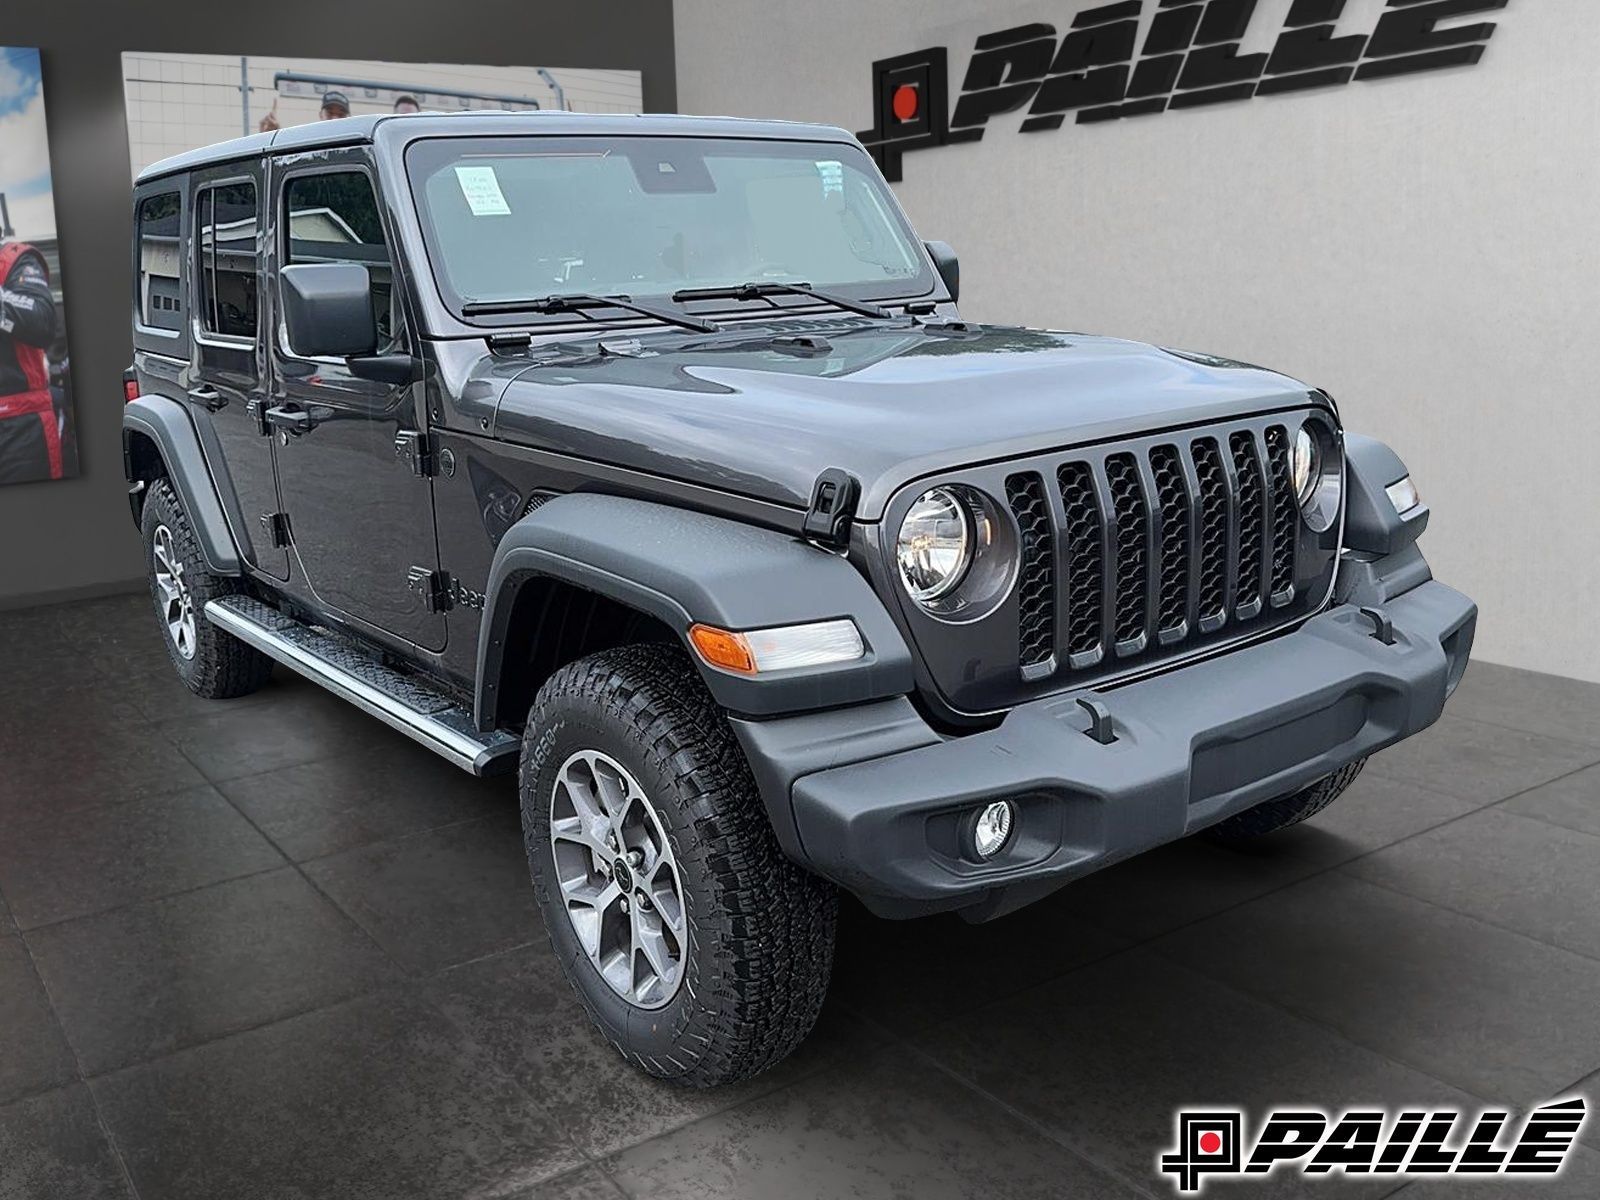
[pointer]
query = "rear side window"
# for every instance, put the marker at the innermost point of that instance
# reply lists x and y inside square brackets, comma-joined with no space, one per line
[333,217]
[225,233]
[160,296]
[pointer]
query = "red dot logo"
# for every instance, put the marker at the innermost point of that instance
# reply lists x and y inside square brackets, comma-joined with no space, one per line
[1210,1143]
[905,102]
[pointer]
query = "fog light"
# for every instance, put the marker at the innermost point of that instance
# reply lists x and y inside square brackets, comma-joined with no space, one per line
[992,829]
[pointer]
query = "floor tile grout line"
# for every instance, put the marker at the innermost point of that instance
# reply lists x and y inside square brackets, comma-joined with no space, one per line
[143,900]
[414,980]
[312,884]
[1554,737]
[1466,916]
[228,1035]
[77,1061]
[1541,818]
[1452,718]
[1113,1173]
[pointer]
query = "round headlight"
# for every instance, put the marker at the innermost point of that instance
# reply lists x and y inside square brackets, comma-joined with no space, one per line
[1316,465]
[934,546]
[1303,465]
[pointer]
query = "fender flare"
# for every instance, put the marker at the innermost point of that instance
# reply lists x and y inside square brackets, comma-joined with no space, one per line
[1370,521]
[682,567]
[166,423]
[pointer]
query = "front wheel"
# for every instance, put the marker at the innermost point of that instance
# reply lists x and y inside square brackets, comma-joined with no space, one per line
[698,949]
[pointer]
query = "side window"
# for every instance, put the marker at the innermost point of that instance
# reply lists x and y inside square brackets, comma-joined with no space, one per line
[225,225]
[160,297]
[333,217]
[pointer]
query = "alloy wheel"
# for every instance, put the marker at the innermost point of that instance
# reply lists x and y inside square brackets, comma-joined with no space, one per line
[176,601]
[619,878]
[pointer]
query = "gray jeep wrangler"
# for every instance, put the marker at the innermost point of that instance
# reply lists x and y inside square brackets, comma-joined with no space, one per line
[649,456]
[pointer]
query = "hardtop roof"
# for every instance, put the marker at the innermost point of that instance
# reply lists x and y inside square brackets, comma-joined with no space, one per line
[349,131]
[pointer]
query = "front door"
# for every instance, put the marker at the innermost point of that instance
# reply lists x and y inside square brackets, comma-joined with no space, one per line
[229,382]
[359,519]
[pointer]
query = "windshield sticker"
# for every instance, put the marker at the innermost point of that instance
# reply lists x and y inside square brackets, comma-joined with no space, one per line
[481,187]
[832,177]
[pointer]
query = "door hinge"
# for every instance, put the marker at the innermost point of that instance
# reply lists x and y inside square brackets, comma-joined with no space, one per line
[417,447]
[256,409]
[276,526]
[833,504]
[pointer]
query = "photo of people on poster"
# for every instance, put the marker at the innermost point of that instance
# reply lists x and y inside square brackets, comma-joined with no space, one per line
[37,440]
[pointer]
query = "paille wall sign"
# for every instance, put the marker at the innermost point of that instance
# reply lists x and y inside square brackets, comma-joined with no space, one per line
[1190,57]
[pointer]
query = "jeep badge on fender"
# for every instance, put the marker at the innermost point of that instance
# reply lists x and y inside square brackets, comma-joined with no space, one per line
[649,457]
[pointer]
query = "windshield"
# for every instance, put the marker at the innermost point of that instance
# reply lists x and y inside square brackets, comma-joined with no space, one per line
[520,218]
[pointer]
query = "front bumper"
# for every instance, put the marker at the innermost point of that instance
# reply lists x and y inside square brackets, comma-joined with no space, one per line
[1193,746]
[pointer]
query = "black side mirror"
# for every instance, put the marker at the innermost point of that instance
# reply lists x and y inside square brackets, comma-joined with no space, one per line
[328,310]
[948,266]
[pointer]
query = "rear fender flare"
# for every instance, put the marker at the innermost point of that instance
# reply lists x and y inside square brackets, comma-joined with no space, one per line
[166,423]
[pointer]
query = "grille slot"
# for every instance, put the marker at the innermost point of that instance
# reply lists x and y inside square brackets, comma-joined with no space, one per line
[1172,498]
[1214,521]
[1284,506]
[1085,555]
[1036,583]
[1252,525]
[1130,519]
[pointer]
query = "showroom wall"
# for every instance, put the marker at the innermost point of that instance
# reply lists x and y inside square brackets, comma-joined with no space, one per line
[74,537]
[1425,247]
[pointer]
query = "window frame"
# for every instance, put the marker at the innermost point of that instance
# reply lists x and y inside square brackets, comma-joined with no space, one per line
[172,339]
[284,179]
[913,290]
[202,335]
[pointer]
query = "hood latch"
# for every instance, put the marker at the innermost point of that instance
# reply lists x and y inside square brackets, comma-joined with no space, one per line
[833,505]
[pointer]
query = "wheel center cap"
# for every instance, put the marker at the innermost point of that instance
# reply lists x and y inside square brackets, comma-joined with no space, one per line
[622,873]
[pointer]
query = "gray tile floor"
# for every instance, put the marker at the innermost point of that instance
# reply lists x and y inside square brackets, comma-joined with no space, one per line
[268,948]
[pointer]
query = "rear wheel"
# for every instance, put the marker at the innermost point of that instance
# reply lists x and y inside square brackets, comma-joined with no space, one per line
[698,949]
[214,664]
[1286,810]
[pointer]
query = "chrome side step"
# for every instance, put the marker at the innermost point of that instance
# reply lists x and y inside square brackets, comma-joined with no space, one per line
[409,705]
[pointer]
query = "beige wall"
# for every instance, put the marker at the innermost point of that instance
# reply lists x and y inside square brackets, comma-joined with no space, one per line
[1426,248]
[177,102]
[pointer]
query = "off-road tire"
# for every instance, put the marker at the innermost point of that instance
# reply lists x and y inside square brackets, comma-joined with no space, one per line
[222,667]
[1288,810]
[760,929]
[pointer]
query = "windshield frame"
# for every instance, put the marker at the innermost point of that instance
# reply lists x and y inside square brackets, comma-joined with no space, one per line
[921,287]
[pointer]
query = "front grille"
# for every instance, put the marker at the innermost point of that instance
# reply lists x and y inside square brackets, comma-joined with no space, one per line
[1157,547]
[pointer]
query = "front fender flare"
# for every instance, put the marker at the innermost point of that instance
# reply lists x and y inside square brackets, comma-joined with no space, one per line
[683,567]
[166,423]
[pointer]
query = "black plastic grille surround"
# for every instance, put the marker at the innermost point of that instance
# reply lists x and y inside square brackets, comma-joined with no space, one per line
[1153,548]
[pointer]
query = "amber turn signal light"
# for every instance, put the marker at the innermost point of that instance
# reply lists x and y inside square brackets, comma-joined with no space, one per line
[730,651]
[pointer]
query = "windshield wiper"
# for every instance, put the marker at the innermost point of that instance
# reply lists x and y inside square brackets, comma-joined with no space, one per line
[761,291]
[582,302]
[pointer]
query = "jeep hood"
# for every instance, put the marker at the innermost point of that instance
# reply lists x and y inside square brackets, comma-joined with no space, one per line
[887,402]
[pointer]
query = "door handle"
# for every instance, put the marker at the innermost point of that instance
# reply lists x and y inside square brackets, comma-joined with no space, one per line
[291,419]
[210,397]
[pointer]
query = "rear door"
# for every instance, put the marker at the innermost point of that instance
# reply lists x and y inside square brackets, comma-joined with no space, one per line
[229,383]
[360,519]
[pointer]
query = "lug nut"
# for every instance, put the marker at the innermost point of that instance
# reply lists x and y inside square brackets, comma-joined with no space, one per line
[643,901]
[636,858]
[623,903]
